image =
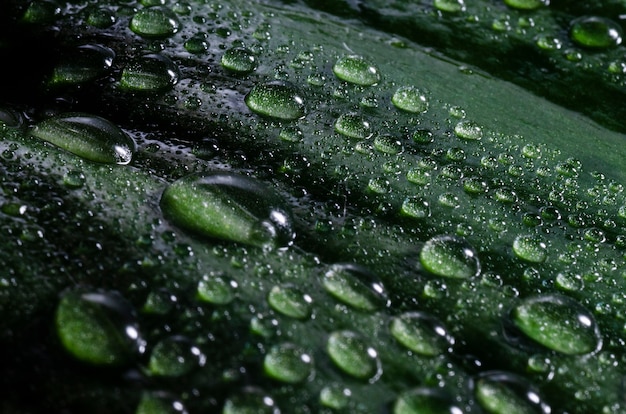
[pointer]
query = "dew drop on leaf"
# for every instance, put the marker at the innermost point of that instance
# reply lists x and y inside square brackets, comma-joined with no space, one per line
[595,32]
[352,355]
[450,256]
[356,69]
[155,22]
[288,363]
[421,333]
[276,99]
[355,286]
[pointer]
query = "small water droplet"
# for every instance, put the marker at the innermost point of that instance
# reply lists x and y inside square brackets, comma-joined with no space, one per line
[197,44]
[150,73]
[239,59]
[352,125]
[387,144]
[557,322]
[174,356]
[596,32]
[530,248]
[355,286]
[276,99]
[101,18]
[353,356]
[335,396]
[290,301]
[216,289]
[88,136]
[450,256]
[468,130]
[410,99]
[356,69]
[415,207]
[231,207]
[504,393]
[421,333]
[155,22]
[288,363]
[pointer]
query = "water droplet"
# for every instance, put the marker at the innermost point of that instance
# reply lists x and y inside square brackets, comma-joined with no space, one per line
[526,4]
[450,256]
[353,125]
[450,6]
[596,32]
[73,179]
[449,200]
[155,22]
[475,185]
[87,136]
[353,356]
[504,393]
[250,401]
[569,282]
[547,42]
[421,333]
[419,176]
[410,99]
[150,73]
[197,44]
[355,69]
[468,130]
[355,286]
[98,328]
[558,323]
[290,301]
[41,12]
[387,144]
[231,207]
[159,403]
[335,396]
[101,18]
[416,207]
[530,248]
[276,99]
[239,59]
[174,356]
[291,134]
[288,363]
[423,136]
[216,289]
[425,401]
[86,63]
[159,302]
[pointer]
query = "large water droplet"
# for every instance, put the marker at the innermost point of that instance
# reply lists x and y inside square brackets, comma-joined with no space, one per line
[276,99]
[353,356]
[355,286]
[505,393]
[530,248]
[155,22]
[415,207]
[425,401]
[468,130]
[526,4]
[353,125]
[290,301]
[174,356]
[239,59]
[231,207]
[410,99]
[98,328]
[150,73]
[87,136]
[250,401]
[558,323]
[288,363]
[421,333]
[86,63]
[450,256]
[596,32]
[355,69]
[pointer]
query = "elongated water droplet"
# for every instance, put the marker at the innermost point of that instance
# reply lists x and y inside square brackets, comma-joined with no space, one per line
[250,401]
[355,286]
[450,6]
[353,125]
[410,99]
[421,333]
[174,356]
[86,63]
[335,396]
[101,18]
[450,256]
[150,73]
[217,290]
[231,207]
[288,363]
[425,401]
[530,248]
[526,4]
[276,99]
[558,323]
[87,136]
[468,130]
[290,301]
[355,69]
[504,393]
[98,328]
[596,32]
[239,59]
[155,22]
[353,356]
[416,207]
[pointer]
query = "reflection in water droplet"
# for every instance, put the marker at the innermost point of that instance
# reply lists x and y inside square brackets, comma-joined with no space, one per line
[276,99]
[596,32]
[288,363]
[155,22]
[425,401]
[290,301]
[355,286]
[239,59]
[530,248]
[231,207]
[98,328]
[450,256]
[352,355]
[149,73]
[558,323]
[504,393]
[87,136]
[355,69]
[174,356]
[353,125]
[421,333]
[410,99]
